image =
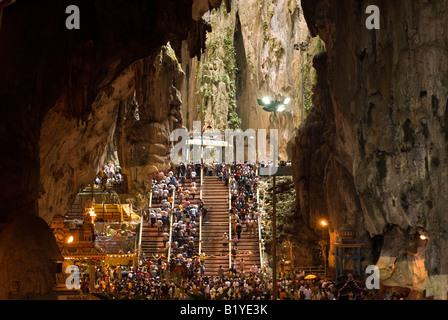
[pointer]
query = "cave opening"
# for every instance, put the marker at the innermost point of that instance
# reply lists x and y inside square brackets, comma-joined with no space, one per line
[90,117]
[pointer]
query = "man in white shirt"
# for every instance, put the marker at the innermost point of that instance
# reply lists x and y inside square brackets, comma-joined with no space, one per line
[152,218]
[193,190]
[159,225]
[187,194]
[166,237]
[165,193]
[250,224]
[307,293]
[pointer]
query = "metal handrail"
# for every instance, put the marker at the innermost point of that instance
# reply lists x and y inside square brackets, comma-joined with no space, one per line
[260,247]
[311,270]
[141,227]
[230,226]
[171,225]
[200,216]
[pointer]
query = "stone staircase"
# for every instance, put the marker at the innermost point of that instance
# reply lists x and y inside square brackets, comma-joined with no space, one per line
[194,201]
[215,196]
[76,210]
[152,241]
[248,249]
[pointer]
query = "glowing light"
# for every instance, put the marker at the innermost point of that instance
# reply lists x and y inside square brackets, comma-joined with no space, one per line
[92,212]
[70,239]
[286,101]
[281,108]
[266,101]
[323,223]
[423,237]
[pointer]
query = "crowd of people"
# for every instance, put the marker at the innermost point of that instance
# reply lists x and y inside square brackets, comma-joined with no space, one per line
[111,175]
[183,204]
[182,278]
[142,283]
[244,207]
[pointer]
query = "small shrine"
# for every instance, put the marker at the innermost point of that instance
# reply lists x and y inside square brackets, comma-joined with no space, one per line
[76,238]
[347,247]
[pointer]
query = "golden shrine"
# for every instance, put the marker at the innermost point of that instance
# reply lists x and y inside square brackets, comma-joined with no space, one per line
[76,239]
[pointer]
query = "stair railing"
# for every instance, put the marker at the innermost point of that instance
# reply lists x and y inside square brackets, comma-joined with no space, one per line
[171,225]
[230,225]
[140,234]
[200,216]
[260,246]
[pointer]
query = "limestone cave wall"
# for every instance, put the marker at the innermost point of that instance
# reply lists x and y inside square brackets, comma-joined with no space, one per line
[250,54]
[372,154]
[60,93]
[146,120]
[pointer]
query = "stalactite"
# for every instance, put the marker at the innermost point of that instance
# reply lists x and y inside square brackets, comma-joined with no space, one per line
[81,91]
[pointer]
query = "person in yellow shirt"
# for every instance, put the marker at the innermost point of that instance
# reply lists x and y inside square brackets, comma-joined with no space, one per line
[202,257]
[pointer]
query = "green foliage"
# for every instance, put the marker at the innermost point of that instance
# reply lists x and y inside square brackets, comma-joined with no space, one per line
[251,66]
[208,94]
[218,66]
[202,108]
[229,58]
[309,79]
[320,46]
[212,46]
[231,68]
[271,10]
[308,98]
[279,51]
[298,8]
[225,79]
[285,206]
[249,61]
[234,120]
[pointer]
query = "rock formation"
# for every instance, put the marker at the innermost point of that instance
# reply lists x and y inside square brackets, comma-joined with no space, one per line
[261,36]
[209,89]
[60,90]
[373,152]
[145,123]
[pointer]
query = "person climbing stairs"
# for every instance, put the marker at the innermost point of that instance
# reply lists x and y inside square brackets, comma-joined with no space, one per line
[215,196]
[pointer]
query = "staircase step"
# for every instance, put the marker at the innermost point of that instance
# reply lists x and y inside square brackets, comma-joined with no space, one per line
[215,195]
